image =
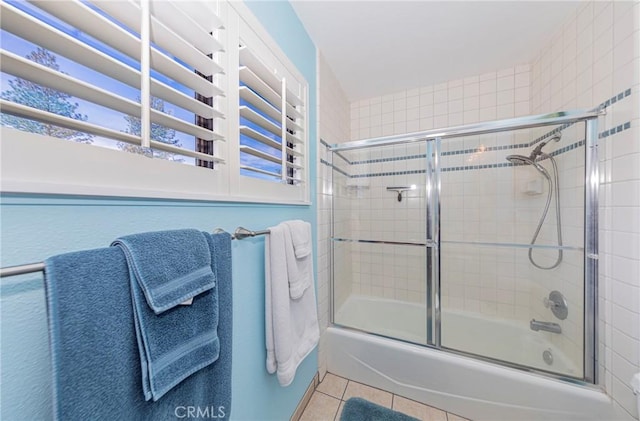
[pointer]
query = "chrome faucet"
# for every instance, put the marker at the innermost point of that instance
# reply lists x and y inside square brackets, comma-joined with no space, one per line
[546,326]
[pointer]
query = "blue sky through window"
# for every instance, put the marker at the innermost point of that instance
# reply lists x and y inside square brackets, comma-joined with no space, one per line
[115,120]
[97,114]
[253,161]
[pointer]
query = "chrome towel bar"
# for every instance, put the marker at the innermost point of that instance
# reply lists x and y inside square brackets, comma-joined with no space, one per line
[239,234]
[22,269]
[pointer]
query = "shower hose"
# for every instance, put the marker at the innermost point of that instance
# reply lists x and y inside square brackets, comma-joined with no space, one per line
[552,184]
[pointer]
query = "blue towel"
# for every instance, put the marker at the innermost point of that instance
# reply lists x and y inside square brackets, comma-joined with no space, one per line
[96,364]
[166,268]
[170,266]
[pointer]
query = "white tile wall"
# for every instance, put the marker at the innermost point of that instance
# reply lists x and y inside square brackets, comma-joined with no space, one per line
[334,128]
[594,56]
[343,255]
[490,205]
[495,95]
[468,197]
[374,213]
[477,205]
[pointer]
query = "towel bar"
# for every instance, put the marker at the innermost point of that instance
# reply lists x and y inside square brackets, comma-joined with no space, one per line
[239,234]
[22,269]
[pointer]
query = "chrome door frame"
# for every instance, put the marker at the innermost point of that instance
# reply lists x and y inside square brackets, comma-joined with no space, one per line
[433,139]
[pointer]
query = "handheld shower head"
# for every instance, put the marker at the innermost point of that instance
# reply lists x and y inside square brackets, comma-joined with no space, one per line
[533,161]
[526,160]
[519,160]
[538,149]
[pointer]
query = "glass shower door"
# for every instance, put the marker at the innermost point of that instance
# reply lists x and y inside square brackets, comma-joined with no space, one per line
[378,240]
[511,247]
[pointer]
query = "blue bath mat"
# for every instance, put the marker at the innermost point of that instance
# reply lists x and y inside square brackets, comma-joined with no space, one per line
[357,409]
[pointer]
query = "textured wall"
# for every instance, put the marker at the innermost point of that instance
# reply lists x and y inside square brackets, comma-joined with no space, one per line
[33,228]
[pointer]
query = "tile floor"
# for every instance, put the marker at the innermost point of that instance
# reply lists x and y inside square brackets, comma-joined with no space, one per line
[327,401]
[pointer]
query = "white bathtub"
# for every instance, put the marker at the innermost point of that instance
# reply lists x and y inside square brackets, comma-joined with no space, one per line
[504,340]
[396,319]
[469,387]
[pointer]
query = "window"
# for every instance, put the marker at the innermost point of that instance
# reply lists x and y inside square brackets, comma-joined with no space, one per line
[272,146]
[263,124]
[110,63]
[157,78]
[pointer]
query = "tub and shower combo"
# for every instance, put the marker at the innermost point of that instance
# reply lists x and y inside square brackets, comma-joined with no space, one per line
[464,267]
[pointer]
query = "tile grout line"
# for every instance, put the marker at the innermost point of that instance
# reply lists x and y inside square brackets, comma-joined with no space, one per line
[602,135]
[393,396]
[603,105]
[335,416]
[326,394]
[345,390]
[341,397]
[557,152]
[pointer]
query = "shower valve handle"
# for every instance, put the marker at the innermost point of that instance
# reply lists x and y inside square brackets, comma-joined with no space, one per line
[557,304]
[550,304]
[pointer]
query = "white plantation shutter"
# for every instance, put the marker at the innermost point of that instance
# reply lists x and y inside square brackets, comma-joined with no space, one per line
[272,114]
[196,81]
[166,49]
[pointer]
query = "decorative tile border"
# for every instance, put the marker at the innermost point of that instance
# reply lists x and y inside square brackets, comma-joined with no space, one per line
[602,106]
[607,133]
[615,130]
[385,174]
[330,165]
[557,152]
[549,134]
[344,158]
[616,98]
[568,148]
[479,167]
[488,148]
[395,158]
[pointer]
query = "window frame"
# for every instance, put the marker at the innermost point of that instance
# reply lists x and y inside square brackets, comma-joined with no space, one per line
[248,28]
[80,169]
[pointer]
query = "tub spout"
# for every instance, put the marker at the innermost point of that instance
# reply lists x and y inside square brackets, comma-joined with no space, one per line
[546,326]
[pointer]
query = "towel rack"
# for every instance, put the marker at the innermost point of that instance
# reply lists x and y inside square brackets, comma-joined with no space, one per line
[239,234]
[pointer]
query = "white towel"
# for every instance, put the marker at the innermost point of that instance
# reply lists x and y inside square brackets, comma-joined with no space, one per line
[299,258]
[291,325]
[301,237]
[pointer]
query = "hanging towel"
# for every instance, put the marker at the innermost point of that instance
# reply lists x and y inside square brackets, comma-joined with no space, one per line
[166,268]
[169,266]
[94,351]
[299,258]
[301,237]
[291,325]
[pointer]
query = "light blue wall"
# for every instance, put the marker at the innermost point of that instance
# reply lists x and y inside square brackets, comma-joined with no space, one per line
[33,228]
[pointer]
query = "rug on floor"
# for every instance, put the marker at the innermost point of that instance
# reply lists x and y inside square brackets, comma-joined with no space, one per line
[358,409]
